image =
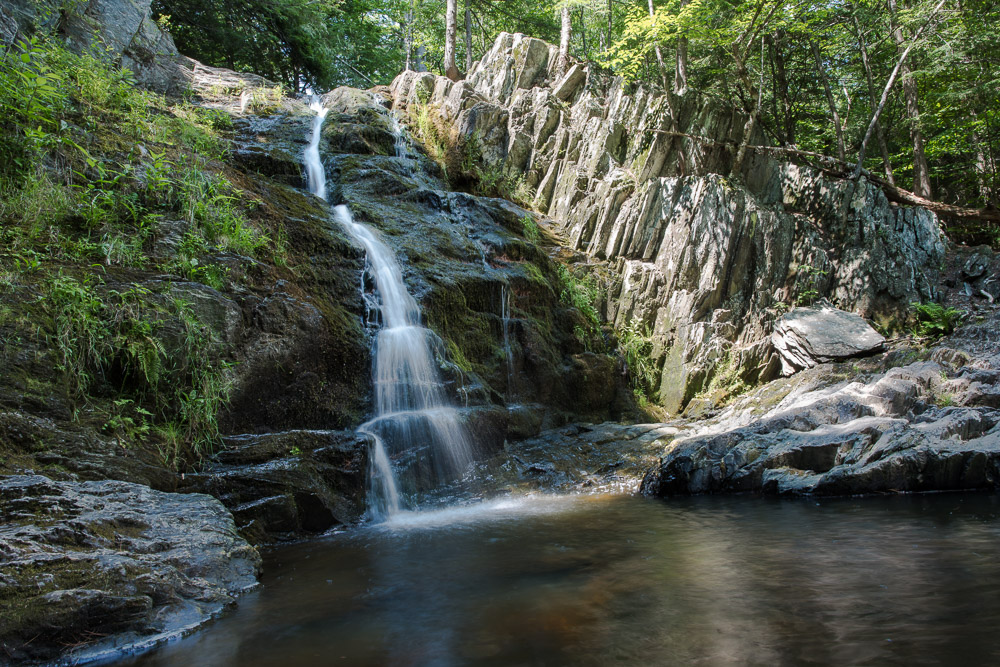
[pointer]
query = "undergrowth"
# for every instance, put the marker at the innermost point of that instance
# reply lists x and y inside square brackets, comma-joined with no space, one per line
[92,170]
[934,320]
[635,342]
[151,352]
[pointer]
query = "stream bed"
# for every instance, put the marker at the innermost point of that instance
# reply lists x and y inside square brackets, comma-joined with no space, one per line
[596,580]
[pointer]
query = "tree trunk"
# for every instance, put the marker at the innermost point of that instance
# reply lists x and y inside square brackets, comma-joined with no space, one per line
[921,172]
[841,152]
[564,37]
[781,83]
[450,30]
[879,135]
[751,123]
[468,37]
[888,86]
[681,75]
[659,52]
[409,16]
[610,23]
[583,35]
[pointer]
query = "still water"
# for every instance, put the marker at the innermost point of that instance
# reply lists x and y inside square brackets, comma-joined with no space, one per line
[599,580]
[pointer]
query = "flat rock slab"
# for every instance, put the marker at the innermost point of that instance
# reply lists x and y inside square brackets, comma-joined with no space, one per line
[807,337]
[92,570]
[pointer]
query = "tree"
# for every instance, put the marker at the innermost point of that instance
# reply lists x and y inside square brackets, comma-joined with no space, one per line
[451,27]
[921,172]
[468,37]
[681,75]
[564,37]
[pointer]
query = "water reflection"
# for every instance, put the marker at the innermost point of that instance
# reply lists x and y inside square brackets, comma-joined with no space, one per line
[595,580]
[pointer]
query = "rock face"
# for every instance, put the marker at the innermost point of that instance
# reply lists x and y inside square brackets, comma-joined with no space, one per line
[123,29]
[806,337]
[922,427]
[82,561]
[288,483]
[643,182]
[506,336]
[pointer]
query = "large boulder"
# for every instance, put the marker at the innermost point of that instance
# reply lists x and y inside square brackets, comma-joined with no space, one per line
[820,334]
[93,569]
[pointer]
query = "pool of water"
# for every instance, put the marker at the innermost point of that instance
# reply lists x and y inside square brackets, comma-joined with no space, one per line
[597,580]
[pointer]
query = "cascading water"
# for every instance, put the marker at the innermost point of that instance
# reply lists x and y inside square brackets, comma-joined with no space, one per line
[402,150]
[505,321]
[314,168]
[413,419]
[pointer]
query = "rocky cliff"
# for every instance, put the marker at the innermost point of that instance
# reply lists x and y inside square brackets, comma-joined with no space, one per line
[278,333]
[636,184]
[644,182]
[122,32]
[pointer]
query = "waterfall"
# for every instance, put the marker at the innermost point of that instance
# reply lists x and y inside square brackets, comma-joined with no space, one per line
[413,418]
[402,149]
[314,168]
[505,321]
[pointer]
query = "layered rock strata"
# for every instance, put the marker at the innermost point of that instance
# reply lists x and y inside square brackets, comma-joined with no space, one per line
[644,182]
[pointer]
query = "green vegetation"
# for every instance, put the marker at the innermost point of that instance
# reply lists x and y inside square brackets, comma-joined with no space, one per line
[635,342]
[462,159]
[726,380]
[583,293]
[811,76]
[109,340]
[808,281]
[934,320]
[530,229]
[91,168]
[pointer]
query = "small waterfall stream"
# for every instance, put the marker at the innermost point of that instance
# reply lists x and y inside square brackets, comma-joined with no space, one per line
[505,323]
[413,418]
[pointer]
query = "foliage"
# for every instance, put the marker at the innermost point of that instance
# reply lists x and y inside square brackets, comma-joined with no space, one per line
[299,43]
[81,203]
[635,342]
[934,320]
[796,49]
[117,339]
[808,280]
[530,229]
[581,293]
[727,379]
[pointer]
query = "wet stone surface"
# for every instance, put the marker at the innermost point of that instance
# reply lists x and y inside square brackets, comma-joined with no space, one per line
[94,569]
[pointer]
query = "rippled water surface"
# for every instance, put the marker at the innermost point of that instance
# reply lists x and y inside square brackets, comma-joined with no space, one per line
[604,580]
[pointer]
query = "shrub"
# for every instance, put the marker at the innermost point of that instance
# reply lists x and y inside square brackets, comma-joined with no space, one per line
[635,342]
[934,320]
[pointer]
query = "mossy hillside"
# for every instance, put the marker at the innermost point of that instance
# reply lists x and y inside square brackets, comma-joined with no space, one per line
[139,240]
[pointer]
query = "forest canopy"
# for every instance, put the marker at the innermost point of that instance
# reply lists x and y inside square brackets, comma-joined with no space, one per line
[811,73]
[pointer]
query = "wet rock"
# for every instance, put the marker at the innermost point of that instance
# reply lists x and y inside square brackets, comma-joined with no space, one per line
[595,458]
[281,485]
[464,261]
[82,561]
[820,334]
[913,428]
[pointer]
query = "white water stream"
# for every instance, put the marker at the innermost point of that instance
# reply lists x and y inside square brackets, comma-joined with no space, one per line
[413,418]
